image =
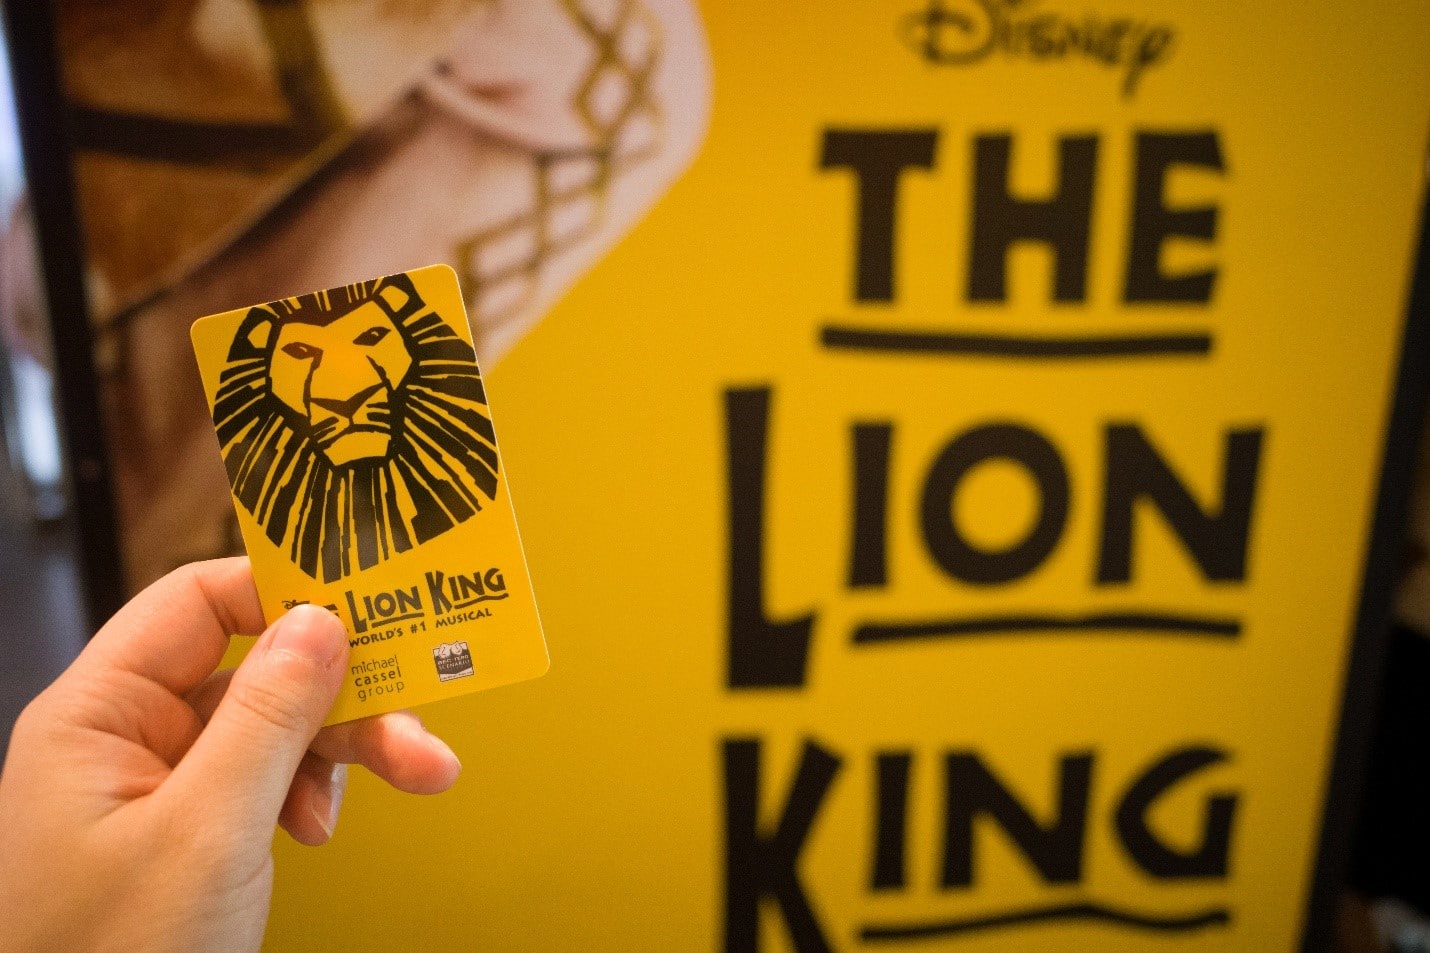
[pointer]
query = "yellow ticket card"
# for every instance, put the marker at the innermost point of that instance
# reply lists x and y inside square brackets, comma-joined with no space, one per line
[359,445]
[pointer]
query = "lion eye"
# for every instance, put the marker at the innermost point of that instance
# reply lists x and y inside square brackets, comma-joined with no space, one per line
[371,336]
[300,350]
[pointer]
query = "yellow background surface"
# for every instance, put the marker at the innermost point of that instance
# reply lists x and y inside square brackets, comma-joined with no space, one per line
[589,815]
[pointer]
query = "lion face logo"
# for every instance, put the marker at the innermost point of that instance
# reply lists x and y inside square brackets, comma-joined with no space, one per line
[354,425]
[341,378]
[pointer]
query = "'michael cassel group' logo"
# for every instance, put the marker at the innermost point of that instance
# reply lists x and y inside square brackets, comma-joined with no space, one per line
[963,32]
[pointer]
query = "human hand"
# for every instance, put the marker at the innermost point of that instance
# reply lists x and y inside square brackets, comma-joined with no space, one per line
[141,790]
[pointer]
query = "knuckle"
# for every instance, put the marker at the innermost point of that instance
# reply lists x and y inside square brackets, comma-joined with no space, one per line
[32,722]
[57,716]
[273,702]
[67,703]
[177,579]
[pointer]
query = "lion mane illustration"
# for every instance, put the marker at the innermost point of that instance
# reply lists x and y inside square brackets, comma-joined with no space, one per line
[354,425]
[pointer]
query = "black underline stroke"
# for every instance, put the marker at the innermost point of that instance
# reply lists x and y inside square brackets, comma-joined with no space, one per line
[472,602]
[1149,622]
[373,621]
[1028,347]
[1185,923]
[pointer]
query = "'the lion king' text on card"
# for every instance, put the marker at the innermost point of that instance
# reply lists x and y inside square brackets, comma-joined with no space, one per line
[354,426]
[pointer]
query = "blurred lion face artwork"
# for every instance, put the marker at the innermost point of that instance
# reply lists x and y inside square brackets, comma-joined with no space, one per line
[231,151]
[353,425]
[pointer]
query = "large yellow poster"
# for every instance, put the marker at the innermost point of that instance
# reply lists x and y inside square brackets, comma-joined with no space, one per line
[949,504]
[948,500]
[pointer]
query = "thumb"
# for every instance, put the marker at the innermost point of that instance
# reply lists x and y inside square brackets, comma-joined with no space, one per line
[243,763]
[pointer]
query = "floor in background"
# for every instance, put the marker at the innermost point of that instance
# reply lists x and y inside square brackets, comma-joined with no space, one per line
[42,624]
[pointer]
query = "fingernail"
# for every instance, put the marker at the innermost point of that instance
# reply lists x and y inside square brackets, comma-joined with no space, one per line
[447,754]
[330,799]
[414,726]
[443,749]
[310,632]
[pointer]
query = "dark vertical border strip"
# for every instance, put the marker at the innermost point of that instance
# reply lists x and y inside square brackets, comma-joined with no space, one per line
[1341,806]
[39,107]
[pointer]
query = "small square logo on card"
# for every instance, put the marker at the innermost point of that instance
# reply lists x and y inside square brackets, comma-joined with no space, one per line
[453,660]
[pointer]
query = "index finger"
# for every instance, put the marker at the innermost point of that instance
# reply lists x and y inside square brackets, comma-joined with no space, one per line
[175,632]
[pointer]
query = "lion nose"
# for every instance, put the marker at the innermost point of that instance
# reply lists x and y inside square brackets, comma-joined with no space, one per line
[349,406]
